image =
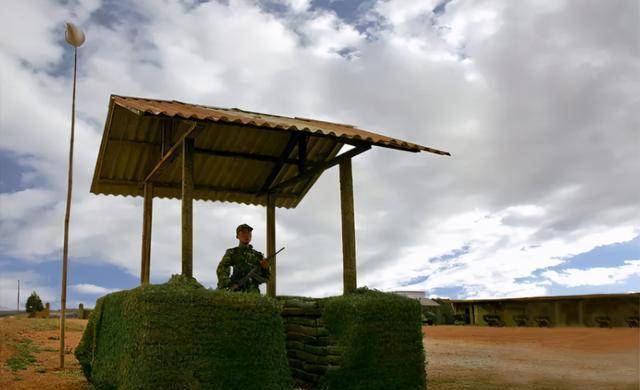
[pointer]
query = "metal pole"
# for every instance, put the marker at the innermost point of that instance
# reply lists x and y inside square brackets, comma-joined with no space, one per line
[65,250]
[18,295]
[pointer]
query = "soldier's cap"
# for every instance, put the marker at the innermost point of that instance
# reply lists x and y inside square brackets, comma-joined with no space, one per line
[243,226]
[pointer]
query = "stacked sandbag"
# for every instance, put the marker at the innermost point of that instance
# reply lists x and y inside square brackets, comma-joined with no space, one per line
[310,348]
[364,340]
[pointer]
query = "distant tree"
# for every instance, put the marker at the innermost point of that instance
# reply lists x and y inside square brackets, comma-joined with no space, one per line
[34,303]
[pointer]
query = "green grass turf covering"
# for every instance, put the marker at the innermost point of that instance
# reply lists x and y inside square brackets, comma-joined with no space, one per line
[380,335]
[180,335]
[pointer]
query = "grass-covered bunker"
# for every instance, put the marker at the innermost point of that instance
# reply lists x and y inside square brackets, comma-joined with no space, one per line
[168,149]
[180,335]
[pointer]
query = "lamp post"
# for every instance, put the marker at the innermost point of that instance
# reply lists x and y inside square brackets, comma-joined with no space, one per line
[74,37]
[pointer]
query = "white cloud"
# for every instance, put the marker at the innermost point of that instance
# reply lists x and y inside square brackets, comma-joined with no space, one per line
[31,29]
[86,288]
[498,253]
[23,204]
[326,34]
[596,276]
[540,118]
[297,5]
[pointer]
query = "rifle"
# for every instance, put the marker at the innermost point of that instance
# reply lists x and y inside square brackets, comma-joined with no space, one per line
[254,273]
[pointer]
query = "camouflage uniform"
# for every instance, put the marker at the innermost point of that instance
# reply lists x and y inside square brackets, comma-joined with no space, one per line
[243,259]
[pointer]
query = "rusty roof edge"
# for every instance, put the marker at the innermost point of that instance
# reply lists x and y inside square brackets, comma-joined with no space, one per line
[133,110]
[394,143]
[321,121]
[103,146]
[435,151]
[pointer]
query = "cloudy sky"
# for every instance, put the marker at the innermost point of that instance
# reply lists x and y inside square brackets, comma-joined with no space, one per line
[537,101]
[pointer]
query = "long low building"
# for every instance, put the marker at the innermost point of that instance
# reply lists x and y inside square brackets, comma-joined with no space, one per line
[598,310]
[420,296]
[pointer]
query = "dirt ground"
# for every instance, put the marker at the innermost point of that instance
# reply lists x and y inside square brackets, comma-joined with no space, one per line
[43,371]
[532,358]
[457,357]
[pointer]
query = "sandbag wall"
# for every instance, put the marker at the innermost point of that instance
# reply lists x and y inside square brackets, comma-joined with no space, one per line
[311,351]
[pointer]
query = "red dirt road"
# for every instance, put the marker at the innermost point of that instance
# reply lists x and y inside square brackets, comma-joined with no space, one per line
[458,357]
[44,372]
[532,358]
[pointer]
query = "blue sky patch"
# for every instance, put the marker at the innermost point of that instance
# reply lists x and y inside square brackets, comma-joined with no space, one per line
[604,256]
[103,275]
[11,173]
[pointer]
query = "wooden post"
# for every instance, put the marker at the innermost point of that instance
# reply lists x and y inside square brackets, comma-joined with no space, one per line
[67,216]
[271,242]
[348,228]
[187,207]
[581,312]
[146,234]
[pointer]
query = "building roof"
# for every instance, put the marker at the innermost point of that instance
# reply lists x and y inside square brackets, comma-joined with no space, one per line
[419,295]
[428,302]
[412,294]
[547,298]
[239,155]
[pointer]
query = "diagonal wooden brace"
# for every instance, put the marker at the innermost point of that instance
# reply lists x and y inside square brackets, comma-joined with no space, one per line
[192,132]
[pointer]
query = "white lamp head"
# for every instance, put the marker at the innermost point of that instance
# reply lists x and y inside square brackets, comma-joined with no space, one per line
[73,35]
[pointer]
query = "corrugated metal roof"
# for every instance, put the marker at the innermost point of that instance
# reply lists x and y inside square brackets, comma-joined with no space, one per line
[132,139]
[237,116]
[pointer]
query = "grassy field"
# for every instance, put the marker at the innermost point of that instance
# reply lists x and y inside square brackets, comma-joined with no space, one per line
[458,357]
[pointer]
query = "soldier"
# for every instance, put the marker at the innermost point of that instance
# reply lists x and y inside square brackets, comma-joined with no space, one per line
[243,259]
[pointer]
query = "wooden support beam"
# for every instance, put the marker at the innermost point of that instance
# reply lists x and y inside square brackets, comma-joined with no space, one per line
[247,156]
[581,313]
[165,137]
[278,167]
[302,153]
[187,207]
[146,234]
[219,153]
[172,150]
[271,242]
[348,228]
[320,167]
